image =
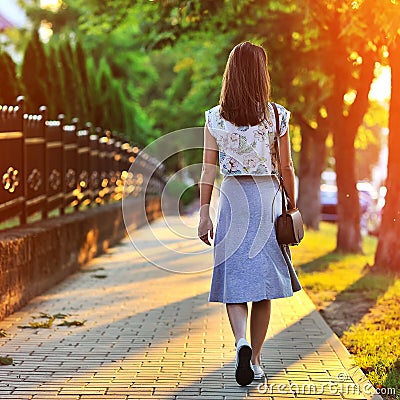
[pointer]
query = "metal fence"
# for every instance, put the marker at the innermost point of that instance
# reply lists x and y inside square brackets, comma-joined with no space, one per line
[48,165]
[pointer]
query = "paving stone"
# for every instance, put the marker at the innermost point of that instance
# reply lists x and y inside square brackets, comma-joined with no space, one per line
[152,334]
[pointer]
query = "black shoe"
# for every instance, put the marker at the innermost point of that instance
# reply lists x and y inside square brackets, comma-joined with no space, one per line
[244,373]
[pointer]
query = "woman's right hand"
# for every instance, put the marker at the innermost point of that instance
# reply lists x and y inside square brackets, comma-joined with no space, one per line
[205,226]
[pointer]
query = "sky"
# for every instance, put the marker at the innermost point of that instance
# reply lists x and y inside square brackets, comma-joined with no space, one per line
[14,13]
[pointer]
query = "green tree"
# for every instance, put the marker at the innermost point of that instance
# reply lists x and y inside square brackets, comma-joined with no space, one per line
[83,80]
[55,98]
[386,15]
[387,256]
[344,121]
[119,42]
[377,22]
[70,80]
[9,85]
[104,93]
[34,74]
[319,59]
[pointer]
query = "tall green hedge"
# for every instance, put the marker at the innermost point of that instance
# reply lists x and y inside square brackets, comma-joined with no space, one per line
[9,85]
[34,74]
[62,76]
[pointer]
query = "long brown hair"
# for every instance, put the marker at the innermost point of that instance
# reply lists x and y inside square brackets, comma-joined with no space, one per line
[245,86]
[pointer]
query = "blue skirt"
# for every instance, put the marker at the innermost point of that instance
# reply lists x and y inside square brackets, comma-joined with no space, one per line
[249,264]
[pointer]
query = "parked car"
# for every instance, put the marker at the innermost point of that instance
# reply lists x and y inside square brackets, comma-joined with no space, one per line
[328,202]
[368,199]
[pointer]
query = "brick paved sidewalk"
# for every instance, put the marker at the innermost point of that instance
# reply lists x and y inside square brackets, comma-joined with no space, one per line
[150,333]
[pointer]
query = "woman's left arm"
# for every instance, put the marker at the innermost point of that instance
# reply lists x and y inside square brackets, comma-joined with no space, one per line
[206,184]
[287,171]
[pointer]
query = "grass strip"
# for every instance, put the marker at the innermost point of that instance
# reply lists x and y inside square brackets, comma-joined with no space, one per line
[360,304]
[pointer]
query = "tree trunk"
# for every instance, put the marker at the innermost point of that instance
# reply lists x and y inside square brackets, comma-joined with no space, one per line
[344,133]
[312,162]
[387,255]
[348,208]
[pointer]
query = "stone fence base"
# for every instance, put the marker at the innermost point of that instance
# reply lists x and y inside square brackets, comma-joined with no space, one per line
[35,257]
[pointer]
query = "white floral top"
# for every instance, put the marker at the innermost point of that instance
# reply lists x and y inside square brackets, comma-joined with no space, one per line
[246,150]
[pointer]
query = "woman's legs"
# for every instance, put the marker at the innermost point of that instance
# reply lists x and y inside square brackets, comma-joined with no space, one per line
[259,320]
[237,313]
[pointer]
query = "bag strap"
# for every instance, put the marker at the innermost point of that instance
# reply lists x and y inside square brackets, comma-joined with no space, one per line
[276,138]
[278,158]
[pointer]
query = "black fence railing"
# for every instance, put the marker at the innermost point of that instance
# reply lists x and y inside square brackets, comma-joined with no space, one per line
[48,165]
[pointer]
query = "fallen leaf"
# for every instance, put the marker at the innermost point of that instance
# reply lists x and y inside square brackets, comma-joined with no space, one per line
[92,270]
[49,316]
[6,361]
[98,276]
[72,323]
[42,315]
[61,316]
[38,325]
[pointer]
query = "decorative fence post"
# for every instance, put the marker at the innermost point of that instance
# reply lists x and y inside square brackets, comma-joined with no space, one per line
[48,165]
[110,153]
[94,168]
[70,162]
[54,167]
[83,167]
[12,194]
[35,163]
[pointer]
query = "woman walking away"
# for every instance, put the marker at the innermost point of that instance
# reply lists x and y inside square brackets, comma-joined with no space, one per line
[249,264]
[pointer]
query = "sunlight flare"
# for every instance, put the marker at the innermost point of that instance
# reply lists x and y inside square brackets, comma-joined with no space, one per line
[381,86]
[52,5]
